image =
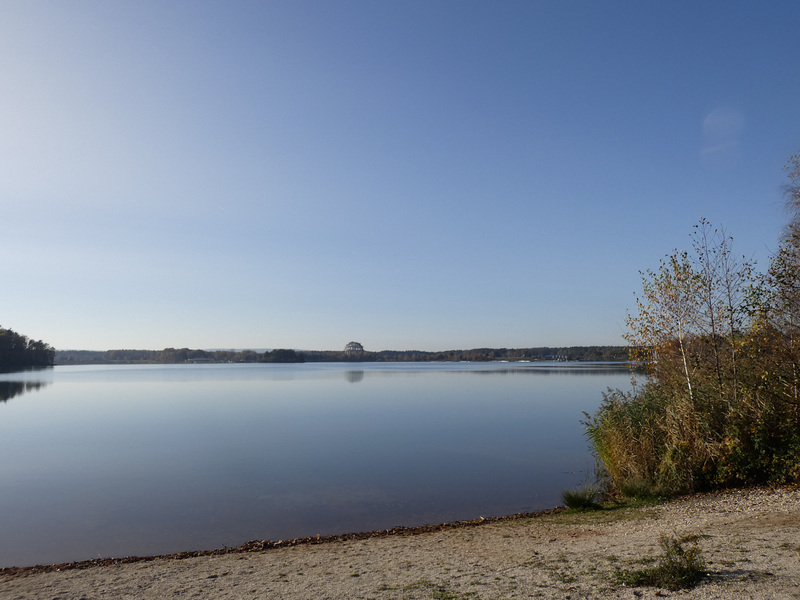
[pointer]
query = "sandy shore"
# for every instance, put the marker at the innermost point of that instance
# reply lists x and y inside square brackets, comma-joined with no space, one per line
[750,540]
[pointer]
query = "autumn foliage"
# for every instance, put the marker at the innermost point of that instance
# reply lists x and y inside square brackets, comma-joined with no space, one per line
[721,347]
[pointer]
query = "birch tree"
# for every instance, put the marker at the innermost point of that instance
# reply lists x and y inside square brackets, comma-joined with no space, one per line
[666,317]
[724,284]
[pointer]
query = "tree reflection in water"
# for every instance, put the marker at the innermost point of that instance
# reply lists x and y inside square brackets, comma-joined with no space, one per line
[354,376]
[9,389]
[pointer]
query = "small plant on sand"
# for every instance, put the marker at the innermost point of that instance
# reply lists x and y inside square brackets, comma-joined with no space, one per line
[678,567]
[582,498]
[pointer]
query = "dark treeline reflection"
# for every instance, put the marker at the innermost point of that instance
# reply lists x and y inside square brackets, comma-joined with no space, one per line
[559,369]
[9,389]
[516,368]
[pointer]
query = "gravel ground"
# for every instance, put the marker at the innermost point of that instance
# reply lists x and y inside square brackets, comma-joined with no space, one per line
[750,540]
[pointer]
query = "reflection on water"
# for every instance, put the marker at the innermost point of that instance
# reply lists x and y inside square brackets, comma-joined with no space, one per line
[150,459]
[354,376]
[16,383]
[564,369]
[9,389]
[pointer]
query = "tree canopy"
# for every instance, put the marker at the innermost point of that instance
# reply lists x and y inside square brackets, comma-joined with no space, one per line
[17,351]
[721,344]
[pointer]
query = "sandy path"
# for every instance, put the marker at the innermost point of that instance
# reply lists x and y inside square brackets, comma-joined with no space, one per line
[750,539]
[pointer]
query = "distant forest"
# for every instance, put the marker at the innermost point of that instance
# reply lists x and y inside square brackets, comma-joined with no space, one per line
[186,355]
[18,351]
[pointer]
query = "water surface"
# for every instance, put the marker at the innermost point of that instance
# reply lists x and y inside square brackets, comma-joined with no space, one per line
[134,460]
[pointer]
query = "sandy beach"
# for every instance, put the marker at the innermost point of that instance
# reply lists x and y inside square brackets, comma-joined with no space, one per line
[750,540]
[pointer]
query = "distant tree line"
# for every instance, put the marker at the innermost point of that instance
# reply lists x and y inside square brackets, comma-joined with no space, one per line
[18,351]
[175,356]
[572,353]
[186,355]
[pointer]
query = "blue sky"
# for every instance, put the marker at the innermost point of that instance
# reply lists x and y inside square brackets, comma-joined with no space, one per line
[412,175]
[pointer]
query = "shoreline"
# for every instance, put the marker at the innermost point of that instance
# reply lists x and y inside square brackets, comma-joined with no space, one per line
[263,545]
[749,538]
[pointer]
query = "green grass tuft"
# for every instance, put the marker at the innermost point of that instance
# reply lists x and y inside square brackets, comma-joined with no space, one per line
[678,567]
[582,499]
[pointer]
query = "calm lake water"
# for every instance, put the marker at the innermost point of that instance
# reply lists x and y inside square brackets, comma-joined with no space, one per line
[103,461]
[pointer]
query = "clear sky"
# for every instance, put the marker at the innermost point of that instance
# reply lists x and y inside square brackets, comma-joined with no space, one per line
[409,174]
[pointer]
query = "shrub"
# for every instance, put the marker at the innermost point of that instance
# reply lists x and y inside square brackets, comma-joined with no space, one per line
[654,443]
[628,436]
[721,348]
[583,498]
[677,567]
